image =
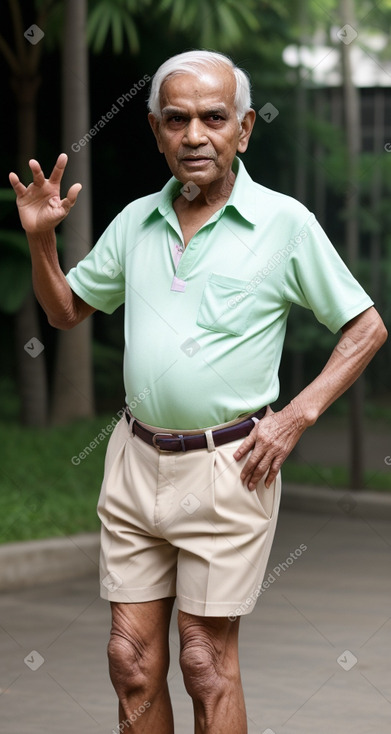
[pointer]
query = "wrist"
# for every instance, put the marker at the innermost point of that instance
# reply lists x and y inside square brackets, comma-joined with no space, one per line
[305,416]
[46,235]
[42,242]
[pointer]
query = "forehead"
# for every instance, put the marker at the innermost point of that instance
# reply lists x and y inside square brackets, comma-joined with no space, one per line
[207,90]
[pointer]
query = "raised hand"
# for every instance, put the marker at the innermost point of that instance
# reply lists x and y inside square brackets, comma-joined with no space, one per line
[40,205]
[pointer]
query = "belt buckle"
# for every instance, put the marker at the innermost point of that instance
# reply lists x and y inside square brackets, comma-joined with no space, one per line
[165,435]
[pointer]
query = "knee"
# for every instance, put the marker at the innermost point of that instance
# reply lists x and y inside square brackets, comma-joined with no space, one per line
[201,666]
[127,663]
[134,665]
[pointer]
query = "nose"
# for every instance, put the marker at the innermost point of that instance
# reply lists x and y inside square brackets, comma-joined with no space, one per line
[195,133]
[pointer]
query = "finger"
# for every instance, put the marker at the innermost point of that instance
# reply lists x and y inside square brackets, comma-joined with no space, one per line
[59,168]
[264,469]
[73,193]
[246,445]
[36,170]
[256,466]
[71,197]
[272,474]
[16,184]
[267,468]
[253,483]
[257,462]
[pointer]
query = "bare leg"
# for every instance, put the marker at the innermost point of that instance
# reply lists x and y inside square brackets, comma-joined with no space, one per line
[210,666]
[138,661]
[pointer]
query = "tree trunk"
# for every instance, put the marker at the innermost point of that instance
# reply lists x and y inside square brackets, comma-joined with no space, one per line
[319,175]
[376,193]
[73,386]
[301,160]
[352,233]
[32,377]
[301,111]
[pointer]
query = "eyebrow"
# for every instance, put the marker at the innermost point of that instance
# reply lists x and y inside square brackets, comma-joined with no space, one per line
[219,110]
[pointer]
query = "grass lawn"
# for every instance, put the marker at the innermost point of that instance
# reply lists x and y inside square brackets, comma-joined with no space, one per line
[43,494]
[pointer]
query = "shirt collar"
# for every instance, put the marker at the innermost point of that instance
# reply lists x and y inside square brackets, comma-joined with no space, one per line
[241,197]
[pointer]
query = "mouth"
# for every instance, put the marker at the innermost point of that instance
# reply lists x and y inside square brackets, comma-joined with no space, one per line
[192,159]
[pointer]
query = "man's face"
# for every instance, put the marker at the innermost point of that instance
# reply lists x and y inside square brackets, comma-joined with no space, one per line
[199,132]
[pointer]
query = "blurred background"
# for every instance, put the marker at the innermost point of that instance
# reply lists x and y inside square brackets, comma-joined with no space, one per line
[321,78]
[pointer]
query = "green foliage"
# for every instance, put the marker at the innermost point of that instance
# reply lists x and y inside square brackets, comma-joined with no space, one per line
[223,24]
[47,495]
[115,17]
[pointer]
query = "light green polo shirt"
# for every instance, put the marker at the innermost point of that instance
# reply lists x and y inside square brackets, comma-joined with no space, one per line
[205,348]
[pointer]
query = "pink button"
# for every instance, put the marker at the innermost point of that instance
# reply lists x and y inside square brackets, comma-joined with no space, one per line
[178,285]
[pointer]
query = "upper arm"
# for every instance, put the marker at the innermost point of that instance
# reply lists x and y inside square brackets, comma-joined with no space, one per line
[367,325]
[75,312]
[82,308]
[363,319]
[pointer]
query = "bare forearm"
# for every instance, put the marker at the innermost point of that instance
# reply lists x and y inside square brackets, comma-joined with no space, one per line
[359,342]
[50,285]
[274,437]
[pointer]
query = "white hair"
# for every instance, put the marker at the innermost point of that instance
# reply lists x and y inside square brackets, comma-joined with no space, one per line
[193,62]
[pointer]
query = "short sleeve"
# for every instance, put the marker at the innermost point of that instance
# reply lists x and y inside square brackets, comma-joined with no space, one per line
[99,278]
[316,278]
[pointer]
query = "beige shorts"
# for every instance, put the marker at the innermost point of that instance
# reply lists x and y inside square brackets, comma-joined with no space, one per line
[182,524]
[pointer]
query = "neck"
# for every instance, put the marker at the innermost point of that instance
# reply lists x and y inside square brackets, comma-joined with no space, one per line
[212,195]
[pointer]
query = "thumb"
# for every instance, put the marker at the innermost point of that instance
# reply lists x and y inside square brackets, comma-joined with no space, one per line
[72,194]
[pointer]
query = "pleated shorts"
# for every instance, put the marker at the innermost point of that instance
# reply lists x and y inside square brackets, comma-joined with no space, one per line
[182,524]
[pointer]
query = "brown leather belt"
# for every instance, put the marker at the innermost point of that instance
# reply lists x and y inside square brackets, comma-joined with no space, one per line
[179,442]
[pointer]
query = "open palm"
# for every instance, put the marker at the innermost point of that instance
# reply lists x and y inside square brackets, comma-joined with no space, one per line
[40,205]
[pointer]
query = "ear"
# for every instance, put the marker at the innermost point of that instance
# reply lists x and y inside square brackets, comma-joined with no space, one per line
[246,127]
[155,125]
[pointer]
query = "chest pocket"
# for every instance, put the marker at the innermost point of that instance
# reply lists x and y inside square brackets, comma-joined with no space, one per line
[225,305]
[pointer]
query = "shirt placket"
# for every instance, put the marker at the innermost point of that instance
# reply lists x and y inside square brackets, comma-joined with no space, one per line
[177,250]
[183,261]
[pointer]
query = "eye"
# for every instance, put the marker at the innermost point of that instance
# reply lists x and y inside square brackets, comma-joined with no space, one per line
[214,118]
[176,119]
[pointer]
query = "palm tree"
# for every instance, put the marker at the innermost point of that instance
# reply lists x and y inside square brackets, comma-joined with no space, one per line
[73,384]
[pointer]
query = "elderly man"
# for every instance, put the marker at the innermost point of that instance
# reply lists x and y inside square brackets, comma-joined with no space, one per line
[207,268]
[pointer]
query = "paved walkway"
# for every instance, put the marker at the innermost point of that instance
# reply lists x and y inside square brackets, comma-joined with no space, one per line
[331,603]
